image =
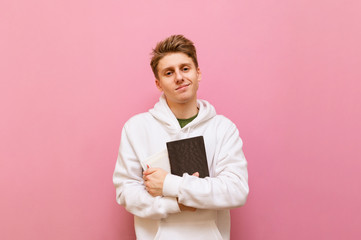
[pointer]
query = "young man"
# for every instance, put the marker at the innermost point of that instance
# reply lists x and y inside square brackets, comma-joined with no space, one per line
[166,206]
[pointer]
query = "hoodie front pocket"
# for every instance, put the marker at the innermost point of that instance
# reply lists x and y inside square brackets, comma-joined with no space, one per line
[205,230]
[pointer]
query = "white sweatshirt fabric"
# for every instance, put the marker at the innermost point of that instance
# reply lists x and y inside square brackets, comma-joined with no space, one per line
[144,136]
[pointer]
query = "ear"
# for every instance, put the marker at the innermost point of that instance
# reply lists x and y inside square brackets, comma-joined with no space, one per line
[159,86]
[199,74]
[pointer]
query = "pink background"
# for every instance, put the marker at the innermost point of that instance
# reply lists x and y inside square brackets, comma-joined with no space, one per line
[286,72]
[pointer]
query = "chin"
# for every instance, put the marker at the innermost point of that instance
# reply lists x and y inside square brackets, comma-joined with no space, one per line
[182,99]
[186,99]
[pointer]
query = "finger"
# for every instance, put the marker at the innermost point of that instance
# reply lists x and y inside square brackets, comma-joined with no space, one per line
[150,171]
[145,177]
[196,174]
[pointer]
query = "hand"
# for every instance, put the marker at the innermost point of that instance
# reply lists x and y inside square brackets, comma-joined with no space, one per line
[153,181]
[184,207]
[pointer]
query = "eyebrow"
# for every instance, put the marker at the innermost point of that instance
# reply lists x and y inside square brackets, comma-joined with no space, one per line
[172,67]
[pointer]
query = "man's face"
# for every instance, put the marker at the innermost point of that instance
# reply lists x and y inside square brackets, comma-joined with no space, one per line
[178,78]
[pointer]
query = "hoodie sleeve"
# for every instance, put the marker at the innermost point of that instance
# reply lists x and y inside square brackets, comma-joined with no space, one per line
[130,189]
[228,188]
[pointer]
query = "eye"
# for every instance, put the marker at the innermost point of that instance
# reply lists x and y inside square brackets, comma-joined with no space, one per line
[168,73]
[185,69]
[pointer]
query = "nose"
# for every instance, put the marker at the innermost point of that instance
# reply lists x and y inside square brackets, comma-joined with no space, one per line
[178,77]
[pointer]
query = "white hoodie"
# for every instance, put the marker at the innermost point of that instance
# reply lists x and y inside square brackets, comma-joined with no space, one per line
[145,135]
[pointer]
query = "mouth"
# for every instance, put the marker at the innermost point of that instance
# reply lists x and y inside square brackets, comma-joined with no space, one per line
[183,86]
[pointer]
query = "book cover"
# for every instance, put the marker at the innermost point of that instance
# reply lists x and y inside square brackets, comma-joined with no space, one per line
[188,156]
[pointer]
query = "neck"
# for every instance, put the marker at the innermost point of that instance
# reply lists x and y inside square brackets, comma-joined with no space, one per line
[184,110]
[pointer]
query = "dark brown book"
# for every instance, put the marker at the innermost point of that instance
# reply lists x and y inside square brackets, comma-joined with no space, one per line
[188,156]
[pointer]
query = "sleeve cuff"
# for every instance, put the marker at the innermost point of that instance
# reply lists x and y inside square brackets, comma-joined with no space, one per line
[171,185]
[171,205]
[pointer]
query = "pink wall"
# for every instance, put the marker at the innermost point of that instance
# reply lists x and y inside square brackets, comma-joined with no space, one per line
[286,72]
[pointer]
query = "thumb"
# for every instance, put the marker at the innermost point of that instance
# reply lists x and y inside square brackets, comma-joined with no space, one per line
[196,174]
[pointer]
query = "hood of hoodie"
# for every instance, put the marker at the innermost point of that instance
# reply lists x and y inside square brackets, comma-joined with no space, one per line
[163,114]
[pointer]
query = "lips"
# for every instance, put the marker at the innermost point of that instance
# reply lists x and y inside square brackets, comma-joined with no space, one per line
[183,86]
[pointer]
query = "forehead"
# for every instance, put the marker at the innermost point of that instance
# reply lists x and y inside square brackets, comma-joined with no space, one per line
[174,60]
